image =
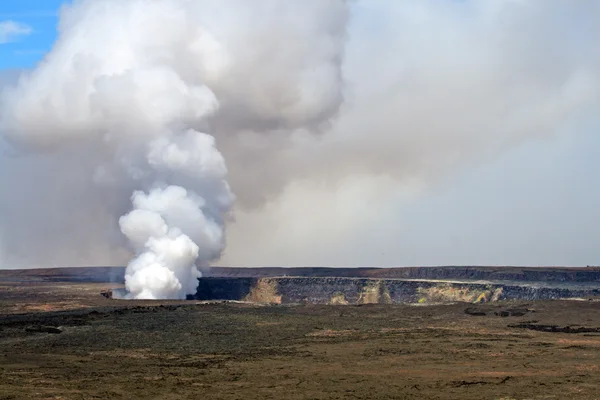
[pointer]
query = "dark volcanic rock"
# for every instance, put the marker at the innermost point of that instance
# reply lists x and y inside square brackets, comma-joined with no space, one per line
[475,312]
[555,328]
[224,289]
[513,312]
[44,329]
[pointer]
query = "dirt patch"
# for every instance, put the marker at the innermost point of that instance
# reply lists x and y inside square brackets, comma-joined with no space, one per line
[579,342]
[330,333]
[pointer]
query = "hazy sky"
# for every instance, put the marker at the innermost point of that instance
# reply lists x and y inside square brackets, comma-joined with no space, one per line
[420,167]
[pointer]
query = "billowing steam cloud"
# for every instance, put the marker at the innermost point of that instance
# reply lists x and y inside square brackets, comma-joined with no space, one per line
[322,110]
[128,91]
[432,87]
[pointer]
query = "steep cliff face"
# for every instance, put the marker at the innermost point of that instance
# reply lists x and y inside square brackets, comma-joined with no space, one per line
[327,290]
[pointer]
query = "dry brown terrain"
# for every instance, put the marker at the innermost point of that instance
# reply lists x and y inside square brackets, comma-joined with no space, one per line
[187,350]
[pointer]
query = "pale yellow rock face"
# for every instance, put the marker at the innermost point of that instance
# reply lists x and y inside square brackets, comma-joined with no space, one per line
[265,291]
[375,293]
[338,299]
[449,293]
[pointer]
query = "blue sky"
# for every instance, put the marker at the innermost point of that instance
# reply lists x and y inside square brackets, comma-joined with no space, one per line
[25,50]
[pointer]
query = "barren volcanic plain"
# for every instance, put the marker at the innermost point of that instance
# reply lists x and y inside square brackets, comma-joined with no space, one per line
[61,339]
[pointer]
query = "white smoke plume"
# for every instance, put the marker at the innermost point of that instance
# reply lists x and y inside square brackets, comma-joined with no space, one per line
[123,101]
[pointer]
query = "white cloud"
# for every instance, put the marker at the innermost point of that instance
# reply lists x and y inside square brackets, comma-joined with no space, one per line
[11,30]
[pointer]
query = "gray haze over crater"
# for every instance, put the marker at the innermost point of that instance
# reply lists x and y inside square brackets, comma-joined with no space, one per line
[359,133]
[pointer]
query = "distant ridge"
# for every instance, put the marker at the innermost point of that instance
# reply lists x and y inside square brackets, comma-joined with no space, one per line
[516,274]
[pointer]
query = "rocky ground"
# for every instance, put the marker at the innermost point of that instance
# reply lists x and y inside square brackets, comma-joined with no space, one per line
[62,340]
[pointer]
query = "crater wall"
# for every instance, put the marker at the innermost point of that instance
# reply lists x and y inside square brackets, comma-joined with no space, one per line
[342,290]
